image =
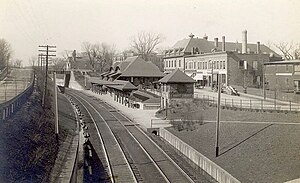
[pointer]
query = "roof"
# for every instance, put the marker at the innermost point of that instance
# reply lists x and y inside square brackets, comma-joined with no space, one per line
[177,76]
[124,85]
[207,46]
[283,62]
[116,84]
[152,101]
[136,66]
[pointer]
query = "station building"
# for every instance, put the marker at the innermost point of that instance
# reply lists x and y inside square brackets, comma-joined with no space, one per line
[126,80]
[238,63]
[174,87]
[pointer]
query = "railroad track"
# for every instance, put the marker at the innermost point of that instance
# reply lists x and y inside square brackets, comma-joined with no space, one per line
[127,153]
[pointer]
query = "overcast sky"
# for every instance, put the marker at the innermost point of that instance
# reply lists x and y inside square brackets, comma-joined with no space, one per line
[67,23]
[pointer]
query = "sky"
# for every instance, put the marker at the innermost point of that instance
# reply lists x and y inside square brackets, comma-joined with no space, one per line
[26,24]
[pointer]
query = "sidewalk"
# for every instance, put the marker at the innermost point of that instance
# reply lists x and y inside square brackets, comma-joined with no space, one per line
[144,118]
[244,96]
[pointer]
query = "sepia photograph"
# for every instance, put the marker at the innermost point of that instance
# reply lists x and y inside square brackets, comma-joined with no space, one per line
[152,91]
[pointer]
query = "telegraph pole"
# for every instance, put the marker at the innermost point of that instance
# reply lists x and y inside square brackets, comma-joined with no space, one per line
[46,70]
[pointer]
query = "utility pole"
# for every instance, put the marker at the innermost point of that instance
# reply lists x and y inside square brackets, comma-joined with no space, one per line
[55,107]
[218,114]
[46,70]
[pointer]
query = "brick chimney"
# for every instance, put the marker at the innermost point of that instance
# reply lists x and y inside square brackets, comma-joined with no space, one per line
[216,42]
[223,43]
[244,42]
[258,47]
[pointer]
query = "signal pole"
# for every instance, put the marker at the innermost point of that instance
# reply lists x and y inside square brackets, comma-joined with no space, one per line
[46,70]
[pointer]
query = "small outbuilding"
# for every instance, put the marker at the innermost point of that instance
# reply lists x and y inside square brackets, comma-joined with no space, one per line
[176,86]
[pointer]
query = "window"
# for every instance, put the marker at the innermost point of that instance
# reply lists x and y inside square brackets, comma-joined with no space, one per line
[224,64]
[175,63]
[241,64]
[254,65]
[179,63]
[194,65]
[217,66]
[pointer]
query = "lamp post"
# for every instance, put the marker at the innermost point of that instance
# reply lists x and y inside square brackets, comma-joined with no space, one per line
[218,114]
[212,73]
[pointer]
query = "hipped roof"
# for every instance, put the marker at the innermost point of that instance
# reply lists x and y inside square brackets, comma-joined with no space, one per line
[138,67]
[177,76]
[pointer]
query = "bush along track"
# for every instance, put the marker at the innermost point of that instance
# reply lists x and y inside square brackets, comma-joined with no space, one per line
[28,142]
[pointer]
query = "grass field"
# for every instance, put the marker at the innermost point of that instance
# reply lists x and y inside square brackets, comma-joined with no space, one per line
[250,152]
[15,83]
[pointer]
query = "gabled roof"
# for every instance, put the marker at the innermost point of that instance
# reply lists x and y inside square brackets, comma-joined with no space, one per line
[177,76]
[136,66]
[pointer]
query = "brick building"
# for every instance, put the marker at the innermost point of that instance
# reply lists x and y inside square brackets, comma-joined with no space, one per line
[238,63]
[283,75]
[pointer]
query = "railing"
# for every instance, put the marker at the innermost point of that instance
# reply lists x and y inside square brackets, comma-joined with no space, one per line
[252,103]
[11,106]
[203,162]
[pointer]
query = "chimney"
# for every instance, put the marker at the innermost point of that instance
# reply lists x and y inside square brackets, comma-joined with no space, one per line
[74,55]
[205,37]
[258,47]
[244,42]
[223,43]
[216,42]
[191,35]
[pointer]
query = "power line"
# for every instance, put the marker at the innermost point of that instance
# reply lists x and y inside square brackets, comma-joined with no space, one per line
[47,49]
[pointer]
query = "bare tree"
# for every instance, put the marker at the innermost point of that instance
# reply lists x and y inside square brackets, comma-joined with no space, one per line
[5,53]
[58,63]
[104,55]
[100,55]
[18,63]
[66,54]
[290,51]
[33,61]
[88,49]
[145,43]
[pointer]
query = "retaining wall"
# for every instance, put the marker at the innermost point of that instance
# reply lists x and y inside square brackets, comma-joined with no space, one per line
[204,163]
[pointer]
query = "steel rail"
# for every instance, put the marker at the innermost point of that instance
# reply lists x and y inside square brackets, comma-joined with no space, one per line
[144,150]
[170,159]
[102,142]
[100,137]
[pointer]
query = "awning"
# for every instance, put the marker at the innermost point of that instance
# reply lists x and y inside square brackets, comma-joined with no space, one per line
[198,77]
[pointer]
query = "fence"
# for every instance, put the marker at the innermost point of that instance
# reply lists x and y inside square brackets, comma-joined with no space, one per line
[252,103]
[204,163]
[9,107]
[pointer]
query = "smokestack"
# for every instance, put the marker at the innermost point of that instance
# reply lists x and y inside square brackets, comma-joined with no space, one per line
[223,43]
[258,47]
[216,42]
[244,42]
